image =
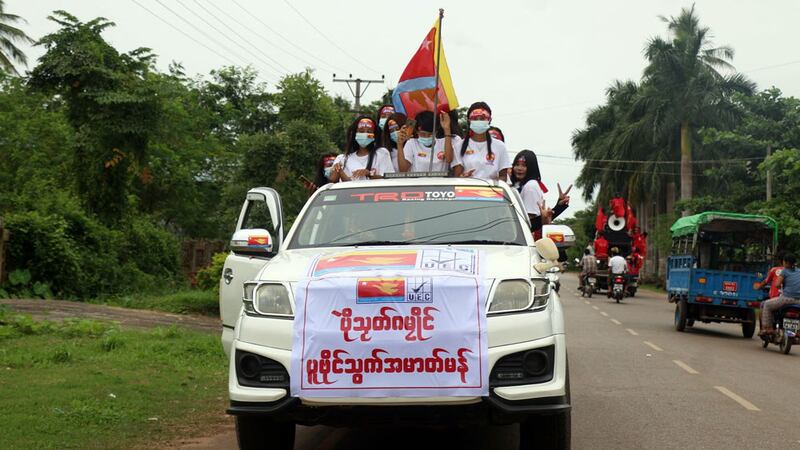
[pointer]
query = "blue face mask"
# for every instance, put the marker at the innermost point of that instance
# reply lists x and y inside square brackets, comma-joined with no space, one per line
[479,126]
[426,141]
[364,139]
[382,122]
[327,172]
[393,136]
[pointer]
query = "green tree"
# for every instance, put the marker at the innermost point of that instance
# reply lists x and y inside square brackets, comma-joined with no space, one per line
[10,36]
[110,104]
[684,88]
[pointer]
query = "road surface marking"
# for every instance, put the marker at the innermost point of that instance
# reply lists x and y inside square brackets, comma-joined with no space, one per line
[685,367]
[587,302]
[659,349]
[632,332]
[745,404]
[616,322]
[595,308]
[603,313]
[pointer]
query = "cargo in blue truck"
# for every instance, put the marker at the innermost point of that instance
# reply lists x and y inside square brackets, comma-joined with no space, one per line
[716,258]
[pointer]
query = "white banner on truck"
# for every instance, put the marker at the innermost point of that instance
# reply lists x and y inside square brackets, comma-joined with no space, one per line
[390,334]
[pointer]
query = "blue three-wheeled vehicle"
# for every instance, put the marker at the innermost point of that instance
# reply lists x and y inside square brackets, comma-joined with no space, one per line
[715,260]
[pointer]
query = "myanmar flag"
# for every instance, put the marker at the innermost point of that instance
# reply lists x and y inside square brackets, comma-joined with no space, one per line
[415,90]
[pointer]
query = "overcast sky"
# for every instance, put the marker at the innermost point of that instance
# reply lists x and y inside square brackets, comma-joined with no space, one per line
[539,64]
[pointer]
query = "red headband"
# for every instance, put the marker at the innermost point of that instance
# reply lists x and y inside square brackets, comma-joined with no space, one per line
[479,113]
[365,125]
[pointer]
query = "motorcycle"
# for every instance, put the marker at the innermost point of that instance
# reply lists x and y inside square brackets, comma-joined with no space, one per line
[589,285]
[617,289]
[787,324]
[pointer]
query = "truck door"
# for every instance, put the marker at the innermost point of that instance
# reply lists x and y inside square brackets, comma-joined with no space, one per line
[257,238]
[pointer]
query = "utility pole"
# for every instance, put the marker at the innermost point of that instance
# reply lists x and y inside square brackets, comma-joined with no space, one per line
[358,92]
[769,176]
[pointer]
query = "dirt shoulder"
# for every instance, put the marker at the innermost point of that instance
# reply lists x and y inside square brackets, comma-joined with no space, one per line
[133,318]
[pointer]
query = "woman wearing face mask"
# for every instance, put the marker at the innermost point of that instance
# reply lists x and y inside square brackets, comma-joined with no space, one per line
[361,160]
[323,173]
[390,134]
[414,154]
[480,156]
[527,179]
[383,115]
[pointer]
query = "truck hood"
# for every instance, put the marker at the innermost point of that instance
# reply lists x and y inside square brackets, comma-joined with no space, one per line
[501,261]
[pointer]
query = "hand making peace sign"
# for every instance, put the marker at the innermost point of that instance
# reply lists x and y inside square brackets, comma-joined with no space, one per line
[563,197]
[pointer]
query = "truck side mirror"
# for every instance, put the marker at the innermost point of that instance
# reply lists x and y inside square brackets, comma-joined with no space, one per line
[252,242]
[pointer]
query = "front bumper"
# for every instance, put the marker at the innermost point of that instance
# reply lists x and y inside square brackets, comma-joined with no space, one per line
[505,404]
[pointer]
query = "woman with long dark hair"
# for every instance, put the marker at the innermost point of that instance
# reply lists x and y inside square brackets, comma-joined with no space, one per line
[361,159]
[383,116]
[389,136]
[527,179]
[481,156]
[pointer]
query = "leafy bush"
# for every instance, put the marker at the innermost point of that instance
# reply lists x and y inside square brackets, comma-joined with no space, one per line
[78,256]
[208,278]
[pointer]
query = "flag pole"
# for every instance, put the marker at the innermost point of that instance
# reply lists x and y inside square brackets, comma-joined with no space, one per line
[436,86]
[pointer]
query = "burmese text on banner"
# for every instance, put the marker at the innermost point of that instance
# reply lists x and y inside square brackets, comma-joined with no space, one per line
[390,334]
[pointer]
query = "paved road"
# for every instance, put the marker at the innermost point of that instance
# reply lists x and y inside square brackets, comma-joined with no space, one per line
[636,384]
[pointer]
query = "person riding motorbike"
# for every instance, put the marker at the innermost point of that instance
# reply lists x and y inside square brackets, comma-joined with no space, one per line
[772,278]
[789,279]
[588,267]
[617,265]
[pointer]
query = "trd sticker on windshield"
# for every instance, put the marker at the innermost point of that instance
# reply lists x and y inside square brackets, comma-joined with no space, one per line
[412,194]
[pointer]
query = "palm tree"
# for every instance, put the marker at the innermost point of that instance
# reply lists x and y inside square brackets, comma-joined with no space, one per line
[684,88]
[9,36]
[616,133]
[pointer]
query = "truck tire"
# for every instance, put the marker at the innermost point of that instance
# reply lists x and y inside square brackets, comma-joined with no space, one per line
[681,310]
[749,328]
[263,433]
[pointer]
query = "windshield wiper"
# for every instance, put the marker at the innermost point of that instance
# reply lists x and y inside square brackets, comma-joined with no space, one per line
[478,242]
[358,244]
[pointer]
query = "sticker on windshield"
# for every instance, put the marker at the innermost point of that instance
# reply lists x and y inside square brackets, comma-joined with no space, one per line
[462,261]
[329,198]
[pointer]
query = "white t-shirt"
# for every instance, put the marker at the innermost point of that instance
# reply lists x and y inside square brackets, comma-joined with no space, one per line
[477,157]
[532,195]
[381,163]
[617,265]
[420,157]
[393,155]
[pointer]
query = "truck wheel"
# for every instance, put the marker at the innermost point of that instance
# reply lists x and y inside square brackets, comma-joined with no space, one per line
[253,432]
[748,328]
[680,314]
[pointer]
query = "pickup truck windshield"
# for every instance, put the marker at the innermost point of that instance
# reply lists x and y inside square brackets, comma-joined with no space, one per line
[409,215]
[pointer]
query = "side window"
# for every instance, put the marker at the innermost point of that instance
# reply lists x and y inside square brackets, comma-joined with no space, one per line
[257,216]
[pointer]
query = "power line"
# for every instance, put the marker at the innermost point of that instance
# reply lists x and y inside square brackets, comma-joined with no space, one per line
[225,48]
[329,39]
[277,70]
[644,161]
[241,37]
[289,41]
[261,36]
[184,33]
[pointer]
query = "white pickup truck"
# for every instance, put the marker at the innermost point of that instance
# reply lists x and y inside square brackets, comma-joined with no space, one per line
[527,371]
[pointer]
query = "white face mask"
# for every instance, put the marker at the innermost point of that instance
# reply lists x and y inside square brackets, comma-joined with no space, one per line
[479,126]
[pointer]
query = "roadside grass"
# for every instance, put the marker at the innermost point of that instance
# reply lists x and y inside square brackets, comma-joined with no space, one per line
[190,301]
[87,384]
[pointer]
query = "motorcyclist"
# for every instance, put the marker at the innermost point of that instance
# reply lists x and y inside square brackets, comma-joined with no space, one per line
[588,267]
[789,278]
[617,265]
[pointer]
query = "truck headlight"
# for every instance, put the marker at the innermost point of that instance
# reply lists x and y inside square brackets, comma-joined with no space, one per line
[520,295]
[272,299]
[511,295]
